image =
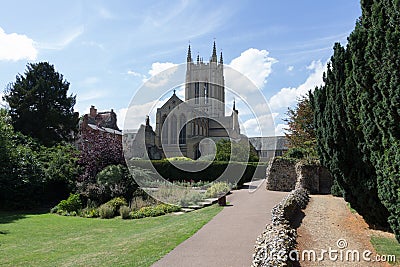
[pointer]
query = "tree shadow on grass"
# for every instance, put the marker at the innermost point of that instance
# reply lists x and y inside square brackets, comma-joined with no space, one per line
[12,216]
[7,217]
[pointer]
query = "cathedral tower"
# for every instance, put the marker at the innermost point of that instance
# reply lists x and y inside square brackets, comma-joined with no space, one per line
[205,81]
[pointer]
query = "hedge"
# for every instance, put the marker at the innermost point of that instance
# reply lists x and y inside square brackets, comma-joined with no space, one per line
[176,171]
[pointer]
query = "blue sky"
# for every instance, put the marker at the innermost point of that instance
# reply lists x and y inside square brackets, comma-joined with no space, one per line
[106,49]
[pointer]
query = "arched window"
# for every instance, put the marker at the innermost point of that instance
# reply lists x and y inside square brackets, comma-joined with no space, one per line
[164,130]
[205,93]
[174,130]
[182,133]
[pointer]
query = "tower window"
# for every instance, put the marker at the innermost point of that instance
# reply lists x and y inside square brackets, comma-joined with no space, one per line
[205,93]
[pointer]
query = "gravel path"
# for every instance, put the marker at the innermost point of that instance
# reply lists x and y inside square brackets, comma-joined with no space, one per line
[229,238]
[328,223]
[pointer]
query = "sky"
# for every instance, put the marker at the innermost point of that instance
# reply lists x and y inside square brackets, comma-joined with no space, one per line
[106,50]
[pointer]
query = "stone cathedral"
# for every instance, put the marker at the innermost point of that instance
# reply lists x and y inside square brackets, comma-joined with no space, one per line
[184,128]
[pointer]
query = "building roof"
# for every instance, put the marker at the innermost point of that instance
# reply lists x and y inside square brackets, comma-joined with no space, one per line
[104,129]
[173,101]
[269,143]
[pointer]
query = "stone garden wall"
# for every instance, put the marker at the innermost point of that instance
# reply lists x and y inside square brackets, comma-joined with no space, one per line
[286,175]
[281,175]
[274,245]
[279,237]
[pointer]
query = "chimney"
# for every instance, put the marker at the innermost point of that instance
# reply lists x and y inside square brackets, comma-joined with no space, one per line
[93,112]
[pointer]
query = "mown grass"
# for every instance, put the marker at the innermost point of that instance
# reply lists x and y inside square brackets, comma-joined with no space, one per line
[53,240]
[387,246]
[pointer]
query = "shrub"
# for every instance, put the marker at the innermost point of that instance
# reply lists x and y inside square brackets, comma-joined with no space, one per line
[217,189]
[124,212]
[117,202]
[209,172]
[106,211]
[153,211]
[179,159]
[191,198]
[54,209]
[112,181]
[73,203]
[295,153]
[139,202]
[90,213]
[242,151]
[170,208]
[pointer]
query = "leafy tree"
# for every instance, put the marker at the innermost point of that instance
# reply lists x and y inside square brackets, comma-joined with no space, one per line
[20,171]
[96,153]
[301,129]
[60,170]
[6,133]
[39,104]
[31,174]
[241,151]
[117,180]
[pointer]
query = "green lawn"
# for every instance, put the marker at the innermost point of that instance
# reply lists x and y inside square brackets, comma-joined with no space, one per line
[53,240]
[387,246]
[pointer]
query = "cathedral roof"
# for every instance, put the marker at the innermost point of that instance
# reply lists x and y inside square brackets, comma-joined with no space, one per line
[172,102]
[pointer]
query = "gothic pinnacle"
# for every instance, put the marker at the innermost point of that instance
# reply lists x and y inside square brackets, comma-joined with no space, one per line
[214,54]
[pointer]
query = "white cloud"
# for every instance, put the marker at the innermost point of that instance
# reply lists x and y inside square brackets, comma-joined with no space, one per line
[132,117]
[259,126]
[280,129]
[121,113]
[81,109]
[135,74]
[161,73]
[286,97]
[255,64]
[158,67]
[180,92]
[290,68]
[2,103]
[15,47]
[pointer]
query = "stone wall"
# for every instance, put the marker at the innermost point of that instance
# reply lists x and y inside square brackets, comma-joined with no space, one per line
[286,175]
[281,175]
[279,237]
[274,245]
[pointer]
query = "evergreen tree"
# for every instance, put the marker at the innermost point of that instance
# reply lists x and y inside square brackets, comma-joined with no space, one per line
[383,117]
[39,104]
[357,115]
